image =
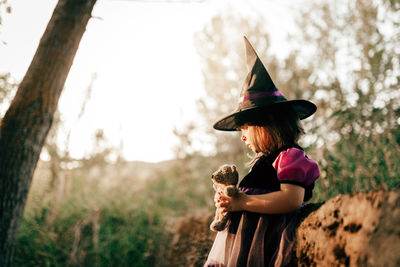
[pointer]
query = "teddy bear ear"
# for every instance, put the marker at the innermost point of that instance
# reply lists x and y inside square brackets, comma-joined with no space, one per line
[234,168]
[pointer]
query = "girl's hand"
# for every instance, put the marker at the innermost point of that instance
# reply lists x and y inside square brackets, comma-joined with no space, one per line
[230,204]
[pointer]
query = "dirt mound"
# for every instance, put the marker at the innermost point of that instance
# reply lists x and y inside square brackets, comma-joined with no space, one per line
[352,230]
[349,230]
[191,241]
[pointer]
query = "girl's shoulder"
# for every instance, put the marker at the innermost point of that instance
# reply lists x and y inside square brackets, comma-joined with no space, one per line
[293,166]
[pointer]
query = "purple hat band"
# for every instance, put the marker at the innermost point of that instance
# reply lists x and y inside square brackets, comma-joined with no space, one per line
[260,95]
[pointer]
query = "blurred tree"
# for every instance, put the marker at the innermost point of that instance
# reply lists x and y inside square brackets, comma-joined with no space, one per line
[5,7]
[220,46]
[351,49]
[7,86]
[58,154]
[7,90]
[26,123]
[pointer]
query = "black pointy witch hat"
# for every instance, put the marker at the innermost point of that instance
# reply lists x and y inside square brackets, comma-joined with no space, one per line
[259,94]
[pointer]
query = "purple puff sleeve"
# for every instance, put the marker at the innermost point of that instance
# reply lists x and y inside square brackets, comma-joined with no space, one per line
[293,167]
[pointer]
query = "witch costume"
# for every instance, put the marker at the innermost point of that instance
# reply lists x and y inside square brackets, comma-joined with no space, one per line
[254,239]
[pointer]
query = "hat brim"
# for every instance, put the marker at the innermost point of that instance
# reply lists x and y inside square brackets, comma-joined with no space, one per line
[303,109]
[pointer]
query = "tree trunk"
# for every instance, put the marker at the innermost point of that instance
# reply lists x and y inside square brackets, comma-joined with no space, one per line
[24,128]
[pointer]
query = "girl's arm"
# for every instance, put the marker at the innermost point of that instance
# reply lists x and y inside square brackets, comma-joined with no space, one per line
[288,199]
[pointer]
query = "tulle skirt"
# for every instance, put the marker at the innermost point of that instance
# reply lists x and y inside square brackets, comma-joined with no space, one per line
[253,239]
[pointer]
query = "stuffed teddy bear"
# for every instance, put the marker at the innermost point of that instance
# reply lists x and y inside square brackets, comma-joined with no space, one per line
[224,181]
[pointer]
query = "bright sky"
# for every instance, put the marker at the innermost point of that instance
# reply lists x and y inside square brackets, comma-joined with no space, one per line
[148,71]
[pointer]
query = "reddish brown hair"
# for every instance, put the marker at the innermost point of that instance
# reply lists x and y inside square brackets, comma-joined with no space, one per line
[271,129]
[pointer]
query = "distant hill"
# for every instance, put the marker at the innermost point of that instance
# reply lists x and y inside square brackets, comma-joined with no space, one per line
[107,174]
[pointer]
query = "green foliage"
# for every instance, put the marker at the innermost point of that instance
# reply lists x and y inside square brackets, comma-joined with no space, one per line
[123,239]
[85,225]
[184,188]
[354,71]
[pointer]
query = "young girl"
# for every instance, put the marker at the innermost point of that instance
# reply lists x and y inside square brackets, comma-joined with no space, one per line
[261,229]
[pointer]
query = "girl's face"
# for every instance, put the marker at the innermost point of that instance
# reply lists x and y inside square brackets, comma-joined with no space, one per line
[246,138]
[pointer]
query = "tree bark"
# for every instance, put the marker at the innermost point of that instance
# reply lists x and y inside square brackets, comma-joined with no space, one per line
[24,128]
